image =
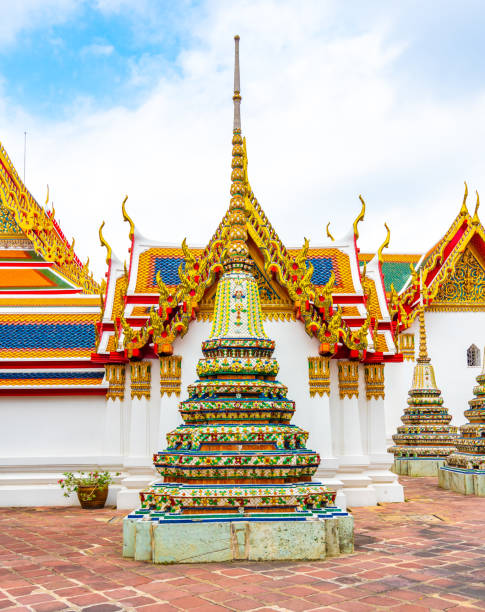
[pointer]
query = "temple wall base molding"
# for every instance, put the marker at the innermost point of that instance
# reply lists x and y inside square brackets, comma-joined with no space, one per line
[36,482]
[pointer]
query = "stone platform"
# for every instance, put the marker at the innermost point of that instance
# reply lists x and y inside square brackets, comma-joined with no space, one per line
[466,482]
[421,466]
[409,557]
[165,538]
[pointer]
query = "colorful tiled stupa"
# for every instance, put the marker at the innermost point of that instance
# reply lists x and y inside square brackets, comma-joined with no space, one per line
[237,476]
[426,438]
[464,471]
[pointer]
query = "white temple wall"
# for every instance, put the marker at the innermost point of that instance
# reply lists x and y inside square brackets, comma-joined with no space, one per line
[449,335]
[50,435]
[42,437]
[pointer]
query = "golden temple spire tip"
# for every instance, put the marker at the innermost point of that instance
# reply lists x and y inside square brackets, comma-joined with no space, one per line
[237,87]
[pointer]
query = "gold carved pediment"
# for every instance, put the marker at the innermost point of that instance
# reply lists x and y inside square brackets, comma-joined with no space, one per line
[465,286]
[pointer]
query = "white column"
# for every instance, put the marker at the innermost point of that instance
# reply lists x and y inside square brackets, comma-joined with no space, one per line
[138,462]
[384,481]
[138,438]
[353,462]
[113,431]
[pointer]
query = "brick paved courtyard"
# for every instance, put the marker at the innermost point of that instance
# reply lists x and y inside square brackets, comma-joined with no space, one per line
[425,554]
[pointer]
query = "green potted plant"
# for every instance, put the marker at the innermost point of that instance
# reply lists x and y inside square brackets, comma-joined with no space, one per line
[91,487]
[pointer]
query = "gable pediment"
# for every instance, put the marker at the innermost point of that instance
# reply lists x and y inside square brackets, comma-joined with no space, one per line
[464,287]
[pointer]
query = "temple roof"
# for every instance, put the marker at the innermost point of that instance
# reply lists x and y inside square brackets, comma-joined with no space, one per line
[329,269]
[25,225]
[49,301]
[451,275]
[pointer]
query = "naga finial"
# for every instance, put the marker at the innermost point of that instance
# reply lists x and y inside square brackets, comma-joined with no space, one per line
[475,219]
[128,219]
[464,209]
[385,244]
[328,232]
[360,217]
[104,243]
[47,196]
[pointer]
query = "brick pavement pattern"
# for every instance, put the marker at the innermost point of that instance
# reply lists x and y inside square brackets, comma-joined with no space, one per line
[427,553]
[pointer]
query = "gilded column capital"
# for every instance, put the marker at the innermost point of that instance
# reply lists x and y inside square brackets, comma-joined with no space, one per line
[170,374]
[141,378]
[406,346]
[319,375]
[348,379]
[374,380]
[115,375]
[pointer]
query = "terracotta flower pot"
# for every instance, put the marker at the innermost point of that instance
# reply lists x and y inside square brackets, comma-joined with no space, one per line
[92,497]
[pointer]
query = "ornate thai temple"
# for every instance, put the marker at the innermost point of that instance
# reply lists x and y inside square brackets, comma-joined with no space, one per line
[464,471]
[92,373]
[426,438]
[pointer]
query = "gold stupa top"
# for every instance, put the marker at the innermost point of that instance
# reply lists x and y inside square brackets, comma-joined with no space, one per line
[423,377]
[237,248]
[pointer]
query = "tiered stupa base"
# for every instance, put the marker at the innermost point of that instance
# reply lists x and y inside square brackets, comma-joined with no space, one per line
[464,471]
[464,481]
[165,537]
[417,466]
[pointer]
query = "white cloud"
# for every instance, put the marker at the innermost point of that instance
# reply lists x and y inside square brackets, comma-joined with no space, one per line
[325,118]
[98,49]
[21,16]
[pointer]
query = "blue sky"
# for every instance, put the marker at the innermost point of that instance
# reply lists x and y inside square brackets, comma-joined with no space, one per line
[89,51]
[339,98]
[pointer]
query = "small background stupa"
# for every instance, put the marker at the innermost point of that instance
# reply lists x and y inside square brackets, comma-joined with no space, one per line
[426,438]
[464,471]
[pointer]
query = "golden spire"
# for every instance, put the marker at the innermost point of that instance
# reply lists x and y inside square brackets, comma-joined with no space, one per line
[464,209]
[360,217]
[237,234]
[237,87]
[423,350]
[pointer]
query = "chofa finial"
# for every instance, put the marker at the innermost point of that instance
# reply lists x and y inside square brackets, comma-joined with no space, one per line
[464,209]
[104,243]
[128,219]
[385,244]
[475,219]
[360,217]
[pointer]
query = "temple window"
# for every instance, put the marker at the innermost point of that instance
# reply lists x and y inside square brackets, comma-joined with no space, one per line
[473,356]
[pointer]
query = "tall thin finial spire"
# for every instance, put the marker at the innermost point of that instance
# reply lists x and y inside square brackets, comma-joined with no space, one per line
[423,350]
[237,87]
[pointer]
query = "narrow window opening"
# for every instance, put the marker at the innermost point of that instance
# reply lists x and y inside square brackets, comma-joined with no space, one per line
[473,356]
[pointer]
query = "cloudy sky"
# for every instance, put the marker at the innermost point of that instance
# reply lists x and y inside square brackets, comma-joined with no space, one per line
[117,97]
